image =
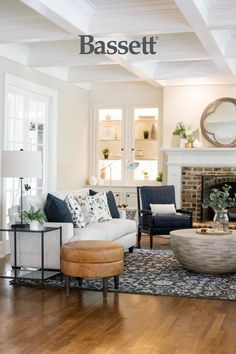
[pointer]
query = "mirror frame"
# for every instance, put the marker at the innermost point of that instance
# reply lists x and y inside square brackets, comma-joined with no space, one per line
[211,108]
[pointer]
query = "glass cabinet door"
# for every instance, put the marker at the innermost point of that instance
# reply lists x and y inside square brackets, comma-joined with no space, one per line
[146,143]
[110,148]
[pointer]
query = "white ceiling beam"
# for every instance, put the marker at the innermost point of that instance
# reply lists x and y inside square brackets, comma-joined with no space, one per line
[62,53]
[192,13]
[13,51]
[104,73]
[73,16]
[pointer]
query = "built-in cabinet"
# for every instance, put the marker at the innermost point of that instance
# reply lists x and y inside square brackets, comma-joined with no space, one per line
[120,136]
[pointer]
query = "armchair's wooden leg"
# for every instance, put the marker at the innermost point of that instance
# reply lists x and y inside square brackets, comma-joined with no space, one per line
[131,249]
[139,237]
[151,241]
[67,284]
[116,281]
[105,286]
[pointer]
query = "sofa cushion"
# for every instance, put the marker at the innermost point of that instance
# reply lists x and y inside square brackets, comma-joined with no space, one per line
[76,212]
[177,220]
[95,208]
[111,203]
[56,210]
[110,230]
[163,209]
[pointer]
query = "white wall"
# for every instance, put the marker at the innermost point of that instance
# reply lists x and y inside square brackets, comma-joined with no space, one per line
[72,125]
[187,103]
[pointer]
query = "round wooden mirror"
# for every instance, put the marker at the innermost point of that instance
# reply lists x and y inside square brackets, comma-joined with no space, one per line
[218,122]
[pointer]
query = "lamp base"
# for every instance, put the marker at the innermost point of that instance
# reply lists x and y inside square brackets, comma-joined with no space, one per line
[20,226]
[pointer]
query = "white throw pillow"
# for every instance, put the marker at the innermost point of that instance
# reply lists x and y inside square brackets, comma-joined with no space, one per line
[76,212]
[95,208]
[163,208]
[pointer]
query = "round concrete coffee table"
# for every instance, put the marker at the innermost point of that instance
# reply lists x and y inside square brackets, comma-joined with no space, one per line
[205,253]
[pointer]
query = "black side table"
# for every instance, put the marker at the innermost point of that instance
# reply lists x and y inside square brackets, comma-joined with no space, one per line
[38,274]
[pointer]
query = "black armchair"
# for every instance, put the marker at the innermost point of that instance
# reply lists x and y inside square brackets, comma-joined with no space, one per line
[159,224]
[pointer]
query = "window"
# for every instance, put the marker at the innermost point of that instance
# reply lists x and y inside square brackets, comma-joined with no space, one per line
[27,126]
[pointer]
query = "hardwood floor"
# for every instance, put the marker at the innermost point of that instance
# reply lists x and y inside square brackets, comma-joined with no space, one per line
[37,320]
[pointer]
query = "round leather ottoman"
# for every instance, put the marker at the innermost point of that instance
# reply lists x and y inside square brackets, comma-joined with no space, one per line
[92,259]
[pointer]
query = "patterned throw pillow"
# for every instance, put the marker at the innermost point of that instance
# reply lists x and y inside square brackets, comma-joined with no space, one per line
[95,208]
[76,212]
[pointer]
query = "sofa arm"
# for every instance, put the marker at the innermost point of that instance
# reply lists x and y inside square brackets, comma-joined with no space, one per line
[122,213]
[67,229]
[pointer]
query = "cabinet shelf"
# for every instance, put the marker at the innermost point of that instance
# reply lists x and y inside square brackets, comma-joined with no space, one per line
[118,140]
[146,140]
[146,120]
[143,159]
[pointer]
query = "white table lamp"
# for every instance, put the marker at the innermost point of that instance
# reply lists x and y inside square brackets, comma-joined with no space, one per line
[21,164]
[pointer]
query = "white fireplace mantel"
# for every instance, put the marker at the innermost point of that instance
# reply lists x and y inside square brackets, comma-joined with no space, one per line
[179,157]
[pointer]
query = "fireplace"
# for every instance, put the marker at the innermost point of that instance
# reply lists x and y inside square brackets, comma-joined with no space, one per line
[192,193]
[208,182]
[185,168]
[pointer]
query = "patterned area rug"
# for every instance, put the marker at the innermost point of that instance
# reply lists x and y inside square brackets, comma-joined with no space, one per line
[157,272]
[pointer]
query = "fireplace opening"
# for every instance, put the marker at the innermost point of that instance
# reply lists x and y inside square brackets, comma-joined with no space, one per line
[208,182]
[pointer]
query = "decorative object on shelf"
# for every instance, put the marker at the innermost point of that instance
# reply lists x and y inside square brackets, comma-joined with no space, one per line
[186,132]
[34,217]
[21,164]
[180,130]
[220,201]
[188,145]
[146,175]
[106,153]
[145,134]
[93,181]
[153,134]
[116,136]
[160,177]
[197,143]
[182,142]
[191,135]
[140,153]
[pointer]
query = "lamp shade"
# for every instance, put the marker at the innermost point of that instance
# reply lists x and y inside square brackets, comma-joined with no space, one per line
[132,166]
[21,164]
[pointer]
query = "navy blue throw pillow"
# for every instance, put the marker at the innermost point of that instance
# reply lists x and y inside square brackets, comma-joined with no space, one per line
[56,210]
[111,203]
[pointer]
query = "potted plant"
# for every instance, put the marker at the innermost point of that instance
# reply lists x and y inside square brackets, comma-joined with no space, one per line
[187,134]
[160,177]
[146,174]
[106,153]
[220,201]
[34,217]
[191,135]
[145,134]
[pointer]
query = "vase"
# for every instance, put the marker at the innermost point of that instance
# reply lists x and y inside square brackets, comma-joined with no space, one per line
[221,220]
[182,142]
[34,225]
[189,145]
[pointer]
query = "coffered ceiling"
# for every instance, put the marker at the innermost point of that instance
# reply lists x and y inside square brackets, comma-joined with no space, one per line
[196,39]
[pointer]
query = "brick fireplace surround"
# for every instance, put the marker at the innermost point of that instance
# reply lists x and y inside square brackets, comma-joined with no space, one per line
[191,185]
[185,168]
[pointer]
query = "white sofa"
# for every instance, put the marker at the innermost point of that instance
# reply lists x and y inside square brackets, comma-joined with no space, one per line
[29,244]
